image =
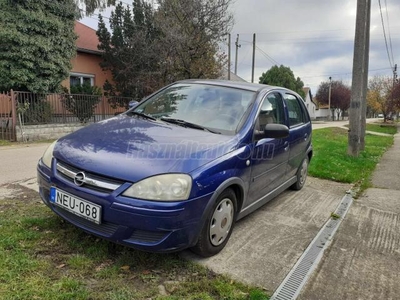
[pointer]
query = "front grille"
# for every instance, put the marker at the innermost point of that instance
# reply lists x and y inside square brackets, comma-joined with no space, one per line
[88,180]
[144,236]
[106,229]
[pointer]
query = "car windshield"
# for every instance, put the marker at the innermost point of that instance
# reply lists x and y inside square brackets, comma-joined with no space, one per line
[217,108]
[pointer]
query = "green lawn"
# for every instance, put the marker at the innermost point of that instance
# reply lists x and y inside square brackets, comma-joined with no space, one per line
[43,257]
[330,160]
[382,128]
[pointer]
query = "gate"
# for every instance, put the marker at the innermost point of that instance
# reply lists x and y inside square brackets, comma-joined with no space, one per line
[8,117]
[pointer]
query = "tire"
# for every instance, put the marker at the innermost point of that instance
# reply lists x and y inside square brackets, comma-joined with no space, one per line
[301,175]
[218,226]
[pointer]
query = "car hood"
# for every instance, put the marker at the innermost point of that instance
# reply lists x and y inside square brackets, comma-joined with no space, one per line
[132,148]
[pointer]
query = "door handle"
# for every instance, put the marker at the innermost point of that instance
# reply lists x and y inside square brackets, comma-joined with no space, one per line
[286,146]
[305,136]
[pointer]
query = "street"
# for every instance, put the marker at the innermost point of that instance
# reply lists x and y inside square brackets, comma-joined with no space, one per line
[18,162]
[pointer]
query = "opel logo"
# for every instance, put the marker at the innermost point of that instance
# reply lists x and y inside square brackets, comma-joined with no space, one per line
[79,178]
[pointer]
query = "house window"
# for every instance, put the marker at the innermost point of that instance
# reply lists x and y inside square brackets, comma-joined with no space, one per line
[78,78]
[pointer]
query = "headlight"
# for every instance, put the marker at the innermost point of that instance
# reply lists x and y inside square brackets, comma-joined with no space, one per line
[48,155]
[168,187]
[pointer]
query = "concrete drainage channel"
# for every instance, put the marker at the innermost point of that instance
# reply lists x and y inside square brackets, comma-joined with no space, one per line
[296,279]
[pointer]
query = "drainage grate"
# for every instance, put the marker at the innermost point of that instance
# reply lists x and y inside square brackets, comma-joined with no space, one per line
[293,283]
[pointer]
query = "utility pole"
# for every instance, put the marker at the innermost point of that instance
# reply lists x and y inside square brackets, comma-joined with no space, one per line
[363,126]
[329,98]
[394,84]
[237,50]
[254,58]
[229,56]
[360,70]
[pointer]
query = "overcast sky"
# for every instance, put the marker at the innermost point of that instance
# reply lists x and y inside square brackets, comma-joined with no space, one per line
[315,38]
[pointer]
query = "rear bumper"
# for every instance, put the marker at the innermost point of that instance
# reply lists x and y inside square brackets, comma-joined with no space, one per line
[146,225]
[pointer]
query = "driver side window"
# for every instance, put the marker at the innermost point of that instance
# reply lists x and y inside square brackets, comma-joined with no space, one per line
[271,111]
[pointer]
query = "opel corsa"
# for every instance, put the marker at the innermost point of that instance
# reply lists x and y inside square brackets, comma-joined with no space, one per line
[180,168]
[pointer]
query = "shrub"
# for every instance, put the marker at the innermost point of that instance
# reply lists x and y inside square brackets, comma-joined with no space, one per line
[34,109]
[82,101]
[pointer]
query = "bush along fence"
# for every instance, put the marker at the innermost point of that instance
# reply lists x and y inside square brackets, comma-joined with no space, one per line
[20,110]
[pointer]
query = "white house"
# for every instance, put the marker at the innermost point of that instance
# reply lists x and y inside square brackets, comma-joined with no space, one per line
[310,104]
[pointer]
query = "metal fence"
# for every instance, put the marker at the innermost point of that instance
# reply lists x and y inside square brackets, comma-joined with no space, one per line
[7,116]
[26,108]
[67,108]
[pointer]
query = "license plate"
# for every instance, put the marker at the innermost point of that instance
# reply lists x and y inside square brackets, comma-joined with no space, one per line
[76,205]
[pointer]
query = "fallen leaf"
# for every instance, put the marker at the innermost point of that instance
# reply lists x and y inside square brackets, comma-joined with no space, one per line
[60,266]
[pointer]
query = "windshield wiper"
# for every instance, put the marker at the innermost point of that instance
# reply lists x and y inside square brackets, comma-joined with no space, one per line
[184,123]
[142,115]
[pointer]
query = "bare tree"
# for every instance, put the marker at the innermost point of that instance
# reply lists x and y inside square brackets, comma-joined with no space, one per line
[191,32]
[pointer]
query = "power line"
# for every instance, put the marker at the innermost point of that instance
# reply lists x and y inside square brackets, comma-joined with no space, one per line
[388,25]
[384,34]
[267,56]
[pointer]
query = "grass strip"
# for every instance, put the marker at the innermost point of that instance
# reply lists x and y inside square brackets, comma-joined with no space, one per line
[44,257]
[330,159]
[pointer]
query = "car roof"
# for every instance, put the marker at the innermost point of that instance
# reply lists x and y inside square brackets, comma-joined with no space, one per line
[255,87]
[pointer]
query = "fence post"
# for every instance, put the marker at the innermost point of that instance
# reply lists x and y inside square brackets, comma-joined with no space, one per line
[103,106]
[14,115]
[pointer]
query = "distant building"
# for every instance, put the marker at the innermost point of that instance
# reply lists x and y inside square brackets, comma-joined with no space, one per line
[322,111]
[233,76]
[310,104]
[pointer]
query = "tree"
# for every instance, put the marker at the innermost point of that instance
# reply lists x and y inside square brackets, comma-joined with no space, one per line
[340,95]
[384,95]
[92,5]
[129,51]
[191,31]
[282,76]
[147,48]
[82,101]
[37,44]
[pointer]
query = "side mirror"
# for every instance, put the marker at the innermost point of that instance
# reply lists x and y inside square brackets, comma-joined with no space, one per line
[276,131]
[133,104]
[273,131]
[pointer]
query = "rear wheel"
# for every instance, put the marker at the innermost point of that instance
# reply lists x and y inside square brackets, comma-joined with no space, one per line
[218,226]
[301,175]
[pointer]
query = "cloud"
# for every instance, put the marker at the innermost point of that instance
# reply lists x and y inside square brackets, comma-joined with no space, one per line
[314,38]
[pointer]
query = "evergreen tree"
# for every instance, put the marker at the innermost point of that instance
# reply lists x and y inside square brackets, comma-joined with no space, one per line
[37,43]
[129,50]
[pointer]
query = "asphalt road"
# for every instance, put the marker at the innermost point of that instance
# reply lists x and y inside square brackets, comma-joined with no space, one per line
[18,162]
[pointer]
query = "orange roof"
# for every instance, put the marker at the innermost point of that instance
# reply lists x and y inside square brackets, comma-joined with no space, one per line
[87,38]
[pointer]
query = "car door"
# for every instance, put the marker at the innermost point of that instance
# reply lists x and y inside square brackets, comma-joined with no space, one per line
[299,132]
[269,156]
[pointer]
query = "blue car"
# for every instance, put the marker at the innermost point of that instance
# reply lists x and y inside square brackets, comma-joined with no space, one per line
[181,167]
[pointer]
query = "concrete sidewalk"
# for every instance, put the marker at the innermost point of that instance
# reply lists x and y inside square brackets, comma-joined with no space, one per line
[363,261]
[265,245]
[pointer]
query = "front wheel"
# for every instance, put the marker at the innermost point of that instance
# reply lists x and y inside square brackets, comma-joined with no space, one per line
[301,175]
[218,226]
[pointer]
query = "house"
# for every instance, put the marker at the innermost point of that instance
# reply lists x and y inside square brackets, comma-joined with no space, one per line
[309,103]
[322,112]
[233,76]
[86,64]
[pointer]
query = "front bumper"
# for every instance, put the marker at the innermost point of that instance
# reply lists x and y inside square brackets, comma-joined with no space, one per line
[146,225]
